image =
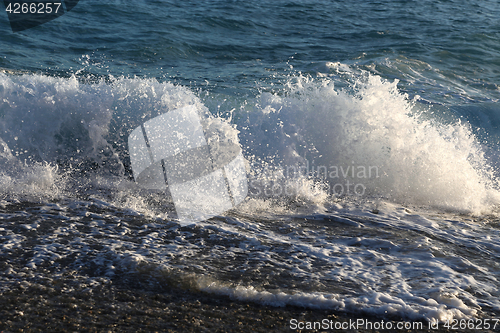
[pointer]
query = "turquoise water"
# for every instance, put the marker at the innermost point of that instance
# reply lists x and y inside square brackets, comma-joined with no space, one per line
[405,89]
[238,43]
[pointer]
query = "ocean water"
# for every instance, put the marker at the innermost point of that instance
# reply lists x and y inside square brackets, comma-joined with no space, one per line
[371,132]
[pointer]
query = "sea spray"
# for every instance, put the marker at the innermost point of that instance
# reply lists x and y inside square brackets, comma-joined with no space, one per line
[370,125]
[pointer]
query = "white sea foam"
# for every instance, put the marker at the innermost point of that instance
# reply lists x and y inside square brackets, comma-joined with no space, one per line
[308,142]
[380,304]
[341,135]
[303,247]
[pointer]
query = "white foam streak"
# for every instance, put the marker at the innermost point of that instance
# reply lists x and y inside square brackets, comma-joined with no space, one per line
[443,309]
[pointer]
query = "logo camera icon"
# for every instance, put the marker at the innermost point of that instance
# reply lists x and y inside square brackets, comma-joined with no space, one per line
[170,152]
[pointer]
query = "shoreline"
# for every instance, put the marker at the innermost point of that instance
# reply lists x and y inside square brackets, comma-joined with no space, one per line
[114,307]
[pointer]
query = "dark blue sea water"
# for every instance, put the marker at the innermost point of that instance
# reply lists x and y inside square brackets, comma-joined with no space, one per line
[371,131]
